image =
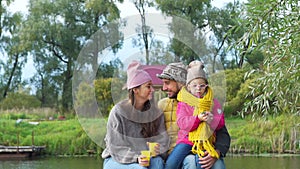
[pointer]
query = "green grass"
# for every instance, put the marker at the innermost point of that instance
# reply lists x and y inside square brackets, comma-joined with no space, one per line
[276,135]
[78,137]
[60,137]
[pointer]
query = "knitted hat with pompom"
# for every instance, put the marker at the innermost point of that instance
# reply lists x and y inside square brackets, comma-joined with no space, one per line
[195,70]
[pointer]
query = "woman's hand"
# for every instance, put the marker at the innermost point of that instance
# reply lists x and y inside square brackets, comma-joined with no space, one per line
[156,148]
[143,161]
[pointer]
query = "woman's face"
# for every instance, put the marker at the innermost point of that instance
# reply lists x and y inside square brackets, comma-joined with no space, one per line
[144,92]
[197,87]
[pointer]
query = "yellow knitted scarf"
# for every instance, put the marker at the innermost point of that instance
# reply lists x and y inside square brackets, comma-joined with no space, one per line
[202,138]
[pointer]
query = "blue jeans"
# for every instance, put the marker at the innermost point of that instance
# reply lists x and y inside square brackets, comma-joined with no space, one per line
[155,163]
[192,162]
[189,162]
[177,156]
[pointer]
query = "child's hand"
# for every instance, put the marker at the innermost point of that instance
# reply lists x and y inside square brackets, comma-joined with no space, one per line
[203,116]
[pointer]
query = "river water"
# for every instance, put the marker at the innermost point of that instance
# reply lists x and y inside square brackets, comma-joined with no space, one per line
[232,162]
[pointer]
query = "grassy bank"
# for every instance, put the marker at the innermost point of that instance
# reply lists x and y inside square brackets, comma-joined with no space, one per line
[276,135]
[67,137]
[60,137]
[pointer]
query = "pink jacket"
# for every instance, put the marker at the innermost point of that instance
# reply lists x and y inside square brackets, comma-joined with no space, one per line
[187,122]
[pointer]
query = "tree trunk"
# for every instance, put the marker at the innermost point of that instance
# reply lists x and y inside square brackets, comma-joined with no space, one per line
[15,65]
[67,89]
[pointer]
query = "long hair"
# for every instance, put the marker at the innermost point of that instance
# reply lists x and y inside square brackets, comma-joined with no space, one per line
[151,128]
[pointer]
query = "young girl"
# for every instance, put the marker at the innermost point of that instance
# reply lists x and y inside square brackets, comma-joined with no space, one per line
[193,113]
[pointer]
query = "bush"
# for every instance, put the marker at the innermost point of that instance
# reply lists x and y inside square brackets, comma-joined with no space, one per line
[234,79]
[32,114]
[19,101]
[236,104]
[108,92]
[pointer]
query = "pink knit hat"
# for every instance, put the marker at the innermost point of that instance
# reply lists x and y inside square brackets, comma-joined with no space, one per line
[136,75]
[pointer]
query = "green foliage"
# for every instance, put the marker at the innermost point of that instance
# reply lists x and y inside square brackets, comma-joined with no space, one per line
[14,54]
[218,83]
[188,43]
[230,83]
[19,101]
[276,34]
[108,92]
[234,79]
[56,32]
[160,55]
[236,104]
[84,98]
[46,90]
[3,11]
[223,23]
[33,114]
[255,59]
[109,70]
[230,86]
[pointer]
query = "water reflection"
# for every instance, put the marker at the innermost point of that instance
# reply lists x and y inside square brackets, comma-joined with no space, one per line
[240,162]
[54,163]
[232,162]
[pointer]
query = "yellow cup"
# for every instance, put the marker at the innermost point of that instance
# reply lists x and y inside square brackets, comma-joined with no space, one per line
[152,148]
[147,155]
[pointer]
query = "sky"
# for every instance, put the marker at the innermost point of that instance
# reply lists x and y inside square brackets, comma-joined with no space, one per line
[127,8]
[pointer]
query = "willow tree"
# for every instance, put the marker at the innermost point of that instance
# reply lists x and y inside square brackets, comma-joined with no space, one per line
[273,27]
[57,31]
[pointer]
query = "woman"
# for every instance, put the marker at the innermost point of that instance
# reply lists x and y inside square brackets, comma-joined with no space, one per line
[134,122]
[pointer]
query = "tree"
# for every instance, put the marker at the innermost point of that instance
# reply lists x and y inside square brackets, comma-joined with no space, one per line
[109,70]
[273,28]
[145,33]
[16,55]
[19,100]
[46,81]
[193,12]
[223,23]
[160,54]
[57,30]
[222,26]
[3,12]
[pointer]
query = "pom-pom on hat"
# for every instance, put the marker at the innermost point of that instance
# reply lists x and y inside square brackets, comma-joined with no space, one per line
[136,76]
[195,70]
[174,71]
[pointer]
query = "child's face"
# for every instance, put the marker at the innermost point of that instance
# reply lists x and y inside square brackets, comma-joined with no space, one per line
[197,87]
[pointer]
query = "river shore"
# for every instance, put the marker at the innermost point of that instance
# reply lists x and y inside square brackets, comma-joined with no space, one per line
[278,137]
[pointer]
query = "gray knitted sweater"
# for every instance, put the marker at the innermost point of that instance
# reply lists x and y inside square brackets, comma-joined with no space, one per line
[124,140]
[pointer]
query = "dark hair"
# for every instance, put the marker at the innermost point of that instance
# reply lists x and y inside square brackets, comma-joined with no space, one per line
[151,128]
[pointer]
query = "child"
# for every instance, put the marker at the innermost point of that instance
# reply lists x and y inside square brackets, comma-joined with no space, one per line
[197,124]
